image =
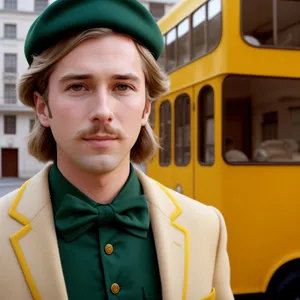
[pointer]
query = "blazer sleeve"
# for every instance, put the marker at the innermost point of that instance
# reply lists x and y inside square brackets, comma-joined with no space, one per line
[221,279]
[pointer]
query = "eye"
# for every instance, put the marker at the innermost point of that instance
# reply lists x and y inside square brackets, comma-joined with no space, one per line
[76,87]
[123,87]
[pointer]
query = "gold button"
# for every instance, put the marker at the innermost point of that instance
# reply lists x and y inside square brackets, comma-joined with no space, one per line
[115,288]
[109,249]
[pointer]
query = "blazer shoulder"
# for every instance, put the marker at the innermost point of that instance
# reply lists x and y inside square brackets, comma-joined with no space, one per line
[6,202]
[197,210]
[8,225]
[190,203]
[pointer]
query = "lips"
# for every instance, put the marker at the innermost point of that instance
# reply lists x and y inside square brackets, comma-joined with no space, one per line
[101,138]
[100,142]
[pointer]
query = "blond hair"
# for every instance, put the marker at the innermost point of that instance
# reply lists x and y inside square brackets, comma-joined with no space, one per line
[41,144]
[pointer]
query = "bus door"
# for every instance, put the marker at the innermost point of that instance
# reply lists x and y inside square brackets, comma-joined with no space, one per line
[160,168]
[182,167]
[207,127]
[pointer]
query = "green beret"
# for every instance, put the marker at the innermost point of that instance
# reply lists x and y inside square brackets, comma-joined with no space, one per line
[63,18]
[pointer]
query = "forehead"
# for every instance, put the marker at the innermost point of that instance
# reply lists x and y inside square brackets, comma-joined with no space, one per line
[103,55]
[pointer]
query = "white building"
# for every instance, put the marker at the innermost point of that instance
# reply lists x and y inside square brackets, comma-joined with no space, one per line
[159,8]
[16,16]
[16,120]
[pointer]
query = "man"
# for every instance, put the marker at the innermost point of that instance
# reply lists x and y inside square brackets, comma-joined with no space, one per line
[89,225]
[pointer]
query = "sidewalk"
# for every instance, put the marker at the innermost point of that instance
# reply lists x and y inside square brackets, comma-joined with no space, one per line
[6,182]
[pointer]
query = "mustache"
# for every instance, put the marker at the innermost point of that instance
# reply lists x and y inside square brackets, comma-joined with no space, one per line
[101,128]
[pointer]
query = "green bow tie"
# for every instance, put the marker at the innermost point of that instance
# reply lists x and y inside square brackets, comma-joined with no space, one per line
[75,216]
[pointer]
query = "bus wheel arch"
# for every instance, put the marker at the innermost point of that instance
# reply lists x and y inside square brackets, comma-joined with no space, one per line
[284,281]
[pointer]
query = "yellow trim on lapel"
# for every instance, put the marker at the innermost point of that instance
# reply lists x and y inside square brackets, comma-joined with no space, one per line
[16,245]
[185,232]
[13,209]
[211,296]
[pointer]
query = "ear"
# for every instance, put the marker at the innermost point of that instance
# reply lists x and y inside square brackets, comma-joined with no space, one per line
[146,113]
[41,109]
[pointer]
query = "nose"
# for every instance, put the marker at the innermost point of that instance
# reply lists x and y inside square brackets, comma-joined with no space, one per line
[101,108]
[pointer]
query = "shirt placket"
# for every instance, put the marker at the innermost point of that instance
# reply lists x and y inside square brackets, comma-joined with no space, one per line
[108,258]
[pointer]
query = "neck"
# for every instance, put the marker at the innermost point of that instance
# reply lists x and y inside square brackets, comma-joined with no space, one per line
[102,188]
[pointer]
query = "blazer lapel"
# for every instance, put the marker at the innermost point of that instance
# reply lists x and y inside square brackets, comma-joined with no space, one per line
[35,244]
[171,239]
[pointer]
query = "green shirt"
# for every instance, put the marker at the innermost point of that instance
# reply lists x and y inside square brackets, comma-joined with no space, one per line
[106,262]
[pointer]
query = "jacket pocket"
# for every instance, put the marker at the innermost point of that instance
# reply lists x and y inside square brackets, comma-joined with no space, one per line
[211,296]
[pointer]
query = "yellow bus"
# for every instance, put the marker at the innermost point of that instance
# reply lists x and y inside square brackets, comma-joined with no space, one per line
[230,131]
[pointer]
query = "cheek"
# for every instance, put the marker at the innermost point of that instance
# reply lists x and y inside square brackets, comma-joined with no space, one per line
[62,115]
[131,113]
[64,110]
[63,123]
[133,105]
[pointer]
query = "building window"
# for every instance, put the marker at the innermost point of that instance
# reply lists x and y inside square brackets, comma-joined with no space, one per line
[10,4]
[157,10]
[40,5]
[270,126]
[206,126]
[31,124]
[10,94]
[10,31]
[165,133]
[182,130]
[10,125]
[10,63]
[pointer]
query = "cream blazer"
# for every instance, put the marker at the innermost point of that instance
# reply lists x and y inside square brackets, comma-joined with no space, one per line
[190,240]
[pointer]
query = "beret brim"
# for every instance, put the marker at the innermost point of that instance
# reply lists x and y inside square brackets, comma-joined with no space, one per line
[64,18]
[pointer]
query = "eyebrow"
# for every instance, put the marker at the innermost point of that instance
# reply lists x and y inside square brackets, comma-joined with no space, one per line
[74,76]
[128,76]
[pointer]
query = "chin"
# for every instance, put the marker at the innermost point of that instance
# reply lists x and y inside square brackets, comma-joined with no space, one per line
[99,164]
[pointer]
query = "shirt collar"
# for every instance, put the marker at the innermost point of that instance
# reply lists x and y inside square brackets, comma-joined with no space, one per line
[59,187]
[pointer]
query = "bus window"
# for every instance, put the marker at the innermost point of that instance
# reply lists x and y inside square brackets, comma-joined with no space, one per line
[171,50]
[269,127]
[182,130]
[207,28]
[261,120]
[183,42]
[162,58]
[199,41]
[276,23]
[165,133]
[214,24]
[294,112]
[206,124]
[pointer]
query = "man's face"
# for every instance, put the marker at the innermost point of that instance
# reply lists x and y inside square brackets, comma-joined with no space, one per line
[98,104]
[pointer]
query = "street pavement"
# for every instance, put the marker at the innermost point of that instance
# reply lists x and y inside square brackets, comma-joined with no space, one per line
[7,185]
